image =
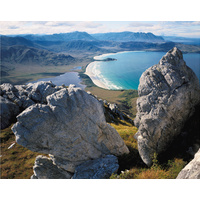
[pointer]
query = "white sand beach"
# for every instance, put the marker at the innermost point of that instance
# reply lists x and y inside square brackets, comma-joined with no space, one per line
[90,71]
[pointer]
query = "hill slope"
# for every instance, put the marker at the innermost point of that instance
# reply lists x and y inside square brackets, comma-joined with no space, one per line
[28,55]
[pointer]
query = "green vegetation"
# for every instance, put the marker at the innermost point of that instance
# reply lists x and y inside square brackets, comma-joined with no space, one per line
[129,103]
[86,80]
[18,161]
[132,167]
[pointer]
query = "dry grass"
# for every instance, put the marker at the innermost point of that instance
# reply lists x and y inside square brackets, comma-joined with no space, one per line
[131,165]
[17,162]
[111,96]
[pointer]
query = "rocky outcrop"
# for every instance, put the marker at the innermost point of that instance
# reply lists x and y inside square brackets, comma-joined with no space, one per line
[100,168]
[8,112]
[71,127]
[23,96]
[168,93]
[192,169]
[45,169]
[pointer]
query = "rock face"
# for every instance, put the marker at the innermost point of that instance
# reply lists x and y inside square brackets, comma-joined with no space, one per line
[71,127]
[100,168]
[8,111]
[45,169]
[168,93]
[192,169]
[23,96]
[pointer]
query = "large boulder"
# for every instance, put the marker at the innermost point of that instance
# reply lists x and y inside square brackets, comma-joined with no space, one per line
[168,93]
[192,169]
[71,127]
[24,96]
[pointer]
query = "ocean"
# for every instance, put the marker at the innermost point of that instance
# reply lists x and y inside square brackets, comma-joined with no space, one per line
[125,72]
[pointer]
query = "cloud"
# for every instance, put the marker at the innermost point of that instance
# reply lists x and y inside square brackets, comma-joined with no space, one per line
[90,24]
[173,28]
[59,23]
[141,24]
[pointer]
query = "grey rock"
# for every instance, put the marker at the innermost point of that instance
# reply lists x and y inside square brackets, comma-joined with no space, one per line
[71,127]
[26,95]
[192,169]
[45,169]
[40,90]
[105,102]
[100,168]
[8,111]
[168,93]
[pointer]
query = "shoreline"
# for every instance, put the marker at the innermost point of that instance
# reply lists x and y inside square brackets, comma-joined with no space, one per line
[64,78]
[95,79]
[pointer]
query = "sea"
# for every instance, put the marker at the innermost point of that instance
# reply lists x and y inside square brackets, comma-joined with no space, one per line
[126,70]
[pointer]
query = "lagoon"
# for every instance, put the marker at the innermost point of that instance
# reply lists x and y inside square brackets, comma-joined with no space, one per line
[126,70]
[66,79]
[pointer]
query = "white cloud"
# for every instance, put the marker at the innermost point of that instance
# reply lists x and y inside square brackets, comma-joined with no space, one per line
[141,24]
[174,28]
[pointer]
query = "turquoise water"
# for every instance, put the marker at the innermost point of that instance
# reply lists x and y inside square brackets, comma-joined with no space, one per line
[125,72]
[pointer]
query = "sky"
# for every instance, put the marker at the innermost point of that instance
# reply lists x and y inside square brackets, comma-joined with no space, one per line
[169,18]
[163,28]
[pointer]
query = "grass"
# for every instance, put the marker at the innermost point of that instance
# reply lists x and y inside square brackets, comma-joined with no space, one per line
[21,74]
[132,167]
[17,162]
[126,101]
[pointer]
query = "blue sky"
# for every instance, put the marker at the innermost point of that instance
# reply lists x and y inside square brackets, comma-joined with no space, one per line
[166,28]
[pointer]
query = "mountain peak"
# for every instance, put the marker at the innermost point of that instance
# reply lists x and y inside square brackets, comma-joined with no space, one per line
[174,57]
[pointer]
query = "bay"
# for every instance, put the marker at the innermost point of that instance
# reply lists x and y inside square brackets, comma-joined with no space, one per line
[126,70]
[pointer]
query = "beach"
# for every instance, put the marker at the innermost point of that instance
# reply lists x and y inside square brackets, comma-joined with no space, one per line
[91,72]
[126,70]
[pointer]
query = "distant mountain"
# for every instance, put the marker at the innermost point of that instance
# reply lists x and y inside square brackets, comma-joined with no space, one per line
[9,41]
[183,40]
[128,36]
[61,37]
[33,56]
[74,45]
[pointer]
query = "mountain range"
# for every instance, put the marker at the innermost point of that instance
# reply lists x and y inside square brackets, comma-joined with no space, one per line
[128,36]
[67,48]
[113,36]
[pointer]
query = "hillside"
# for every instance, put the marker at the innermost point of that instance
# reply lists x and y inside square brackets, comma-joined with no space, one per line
[57,51]
[9,41]
[29,55]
